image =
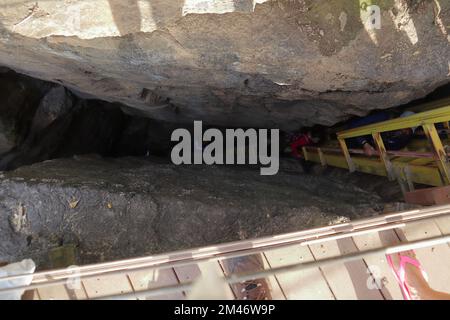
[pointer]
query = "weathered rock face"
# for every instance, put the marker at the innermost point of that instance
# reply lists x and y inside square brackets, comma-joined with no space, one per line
[279,63]
[20,97]
[129,207]
[40,121]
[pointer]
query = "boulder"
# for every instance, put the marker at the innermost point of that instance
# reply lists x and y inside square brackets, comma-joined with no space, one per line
[121,208]
[255,63]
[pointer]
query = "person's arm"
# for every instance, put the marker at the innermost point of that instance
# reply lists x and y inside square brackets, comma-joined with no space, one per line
[364,141]
[368,149]
[361,141]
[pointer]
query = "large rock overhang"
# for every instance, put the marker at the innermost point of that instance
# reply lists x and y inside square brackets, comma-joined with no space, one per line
[278,63]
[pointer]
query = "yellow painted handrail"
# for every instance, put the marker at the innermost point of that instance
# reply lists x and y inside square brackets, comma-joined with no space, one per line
[427,117]
[426,120]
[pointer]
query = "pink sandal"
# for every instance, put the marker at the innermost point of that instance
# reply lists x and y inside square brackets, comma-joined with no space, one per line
[400,273]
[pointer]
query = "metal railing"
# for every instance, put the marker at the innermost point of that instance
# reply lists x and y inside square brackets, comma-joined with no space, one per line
[426,120]
[246,248]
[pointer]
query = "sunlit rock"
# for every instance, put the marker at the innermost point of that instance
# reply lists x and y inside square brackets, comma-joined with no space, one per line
[279,63]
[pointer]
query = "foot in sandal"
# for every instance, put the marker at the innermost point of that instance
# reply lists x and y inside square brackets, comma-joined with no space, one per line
[412,278]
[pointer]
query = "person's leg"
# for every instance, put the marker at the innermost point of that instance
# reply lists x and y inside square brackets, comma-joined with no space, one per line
[417,284]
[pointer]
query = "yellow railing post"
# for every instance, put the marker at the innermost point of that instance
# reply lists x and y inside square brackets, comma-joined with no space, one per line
[351,165]
[439,151]
[305,153]
[383,155]
[323,161]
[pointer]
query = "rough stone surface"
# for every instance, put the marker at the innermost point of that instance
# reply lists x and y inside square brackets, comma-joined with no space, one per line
[41,121]
[130,207]
[20,97]
[55,104]
[280,63]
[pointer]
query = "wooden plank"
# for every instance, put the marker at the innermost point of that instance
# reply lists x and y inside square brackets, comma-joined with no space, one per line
[429,196]
[62,292]
[276,290]
[219,271]
[378,265]
[107,285]
[187,273]
[144,280]
[435,260]
[191,273]
[299,285]
[421,162]
[403,159]
[443,224]
[348,281]
[428,175]
[248,264]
